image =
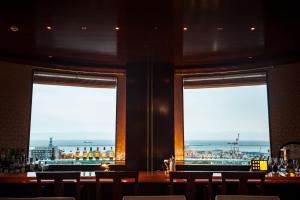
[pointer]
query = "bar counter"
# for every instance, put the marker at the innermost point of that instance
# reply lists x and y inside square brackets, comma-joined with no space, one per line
[144,177]
[150,183]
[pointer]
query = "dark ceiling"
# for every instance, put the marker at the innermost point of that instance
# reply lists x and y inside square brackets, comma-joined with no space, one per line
[119,31]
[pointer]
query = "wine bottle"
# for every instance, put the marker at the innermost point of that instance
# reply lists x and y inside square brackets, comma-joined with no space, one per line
[77,154]
[97,154]
[91,156]
[53,154]
[111,154]
[70,155]
[104,154]
[84,154]
[63,155]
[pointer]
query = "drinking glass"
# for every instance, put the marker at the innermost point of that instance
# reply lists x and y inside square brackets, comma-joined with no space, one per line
[270,164]
[282,166]
[297,165]
[275,165]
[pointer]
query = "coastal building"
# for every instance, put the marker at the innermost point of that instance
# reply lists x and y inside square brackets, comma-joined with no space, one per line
[44,152]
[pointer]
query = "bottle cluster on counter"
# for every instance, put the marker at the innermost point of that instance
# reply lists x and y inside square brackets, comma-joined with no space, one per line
[13,161]
[86,154]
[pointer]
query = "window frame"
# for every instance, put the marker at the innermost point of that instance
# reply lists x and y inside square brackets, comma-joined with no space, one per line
[181,74]
[120,75]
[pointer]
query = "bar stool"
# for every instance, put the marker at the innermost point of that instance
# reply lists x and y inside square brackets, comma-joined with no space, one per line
[190,177]
[58,178]
[38,198]
[117,177]
[165,197]
[246,197]
[243,178]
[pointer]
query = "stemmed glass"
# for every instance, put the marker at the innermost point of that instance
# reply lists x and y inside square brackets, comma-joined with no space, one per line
[270,164]
[297,165]
[275,165]
[282,165]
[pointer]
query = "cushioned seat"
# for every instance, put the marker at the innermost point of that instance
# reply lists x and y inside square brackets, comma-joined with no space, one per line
[38,198]
[169,197]
[245,197]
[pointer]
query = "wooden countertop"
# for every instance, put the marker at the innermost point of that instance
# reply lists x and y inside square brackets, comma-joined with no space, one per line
[144,177]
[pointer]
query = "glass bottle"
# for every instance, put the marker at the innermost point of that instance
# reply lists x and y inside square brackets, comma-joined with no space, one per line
[52,154]
[63,155]
[91,156]
[97,154]
[84,154]
[104,154]
[77,154]
[111,154]
[70,155]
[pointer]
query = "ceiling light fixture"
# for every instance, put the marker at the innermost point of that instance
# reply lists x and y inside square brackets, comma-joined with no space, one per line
[185,28]
[14,28]
[252,28]
[83,28]
[49,28]
[50,56]
[220,28]
[117,28]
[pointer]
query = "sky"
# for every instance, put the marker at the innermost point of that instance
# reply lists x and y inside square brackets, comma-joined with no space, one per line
[75,113]
[80,113]
[222,113]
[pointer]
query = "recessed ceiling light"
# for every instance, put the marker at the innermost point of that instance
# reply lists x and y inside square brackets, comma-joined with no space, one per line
[83,28]
[117,28]
[14,28]
[250,57]
[252,28]
[220,28]
[50,56]
[185,28]
[49,28]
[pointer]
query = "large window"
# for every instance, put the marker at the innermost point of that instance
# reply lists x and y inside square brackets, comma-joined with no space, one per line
[74,118]
[225,119]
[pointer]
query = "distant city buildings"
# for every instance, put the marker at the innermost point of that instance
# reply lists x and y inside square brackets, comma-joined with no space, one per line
[219,156]
[44,152]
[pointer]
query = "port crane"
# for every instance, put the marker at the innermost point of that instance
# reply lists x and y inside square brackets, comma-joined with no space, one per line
[236,146]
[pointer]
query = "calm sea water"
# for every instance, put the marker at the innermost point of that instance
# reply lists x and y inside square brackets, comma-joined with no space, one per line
[245,146]
[205,145]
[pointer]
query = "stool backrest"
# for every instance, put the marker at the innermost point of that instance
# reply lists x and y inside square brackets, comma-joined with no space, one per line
[166,197]
[246,197]
[58,178]
[243,179]
[38,198]
[190,177]
[117,177]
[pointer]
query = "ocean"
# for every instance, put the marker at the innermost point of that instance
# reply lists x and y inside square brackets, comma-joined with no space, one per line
[244,146]
[205,145]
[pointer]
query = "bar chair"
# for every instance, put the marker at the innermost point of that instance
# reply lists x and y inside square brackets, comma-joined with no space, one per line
[190,177]
[243,179]
[117,177]
[38,198]
[246,197]
[166,197]
[58,178]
